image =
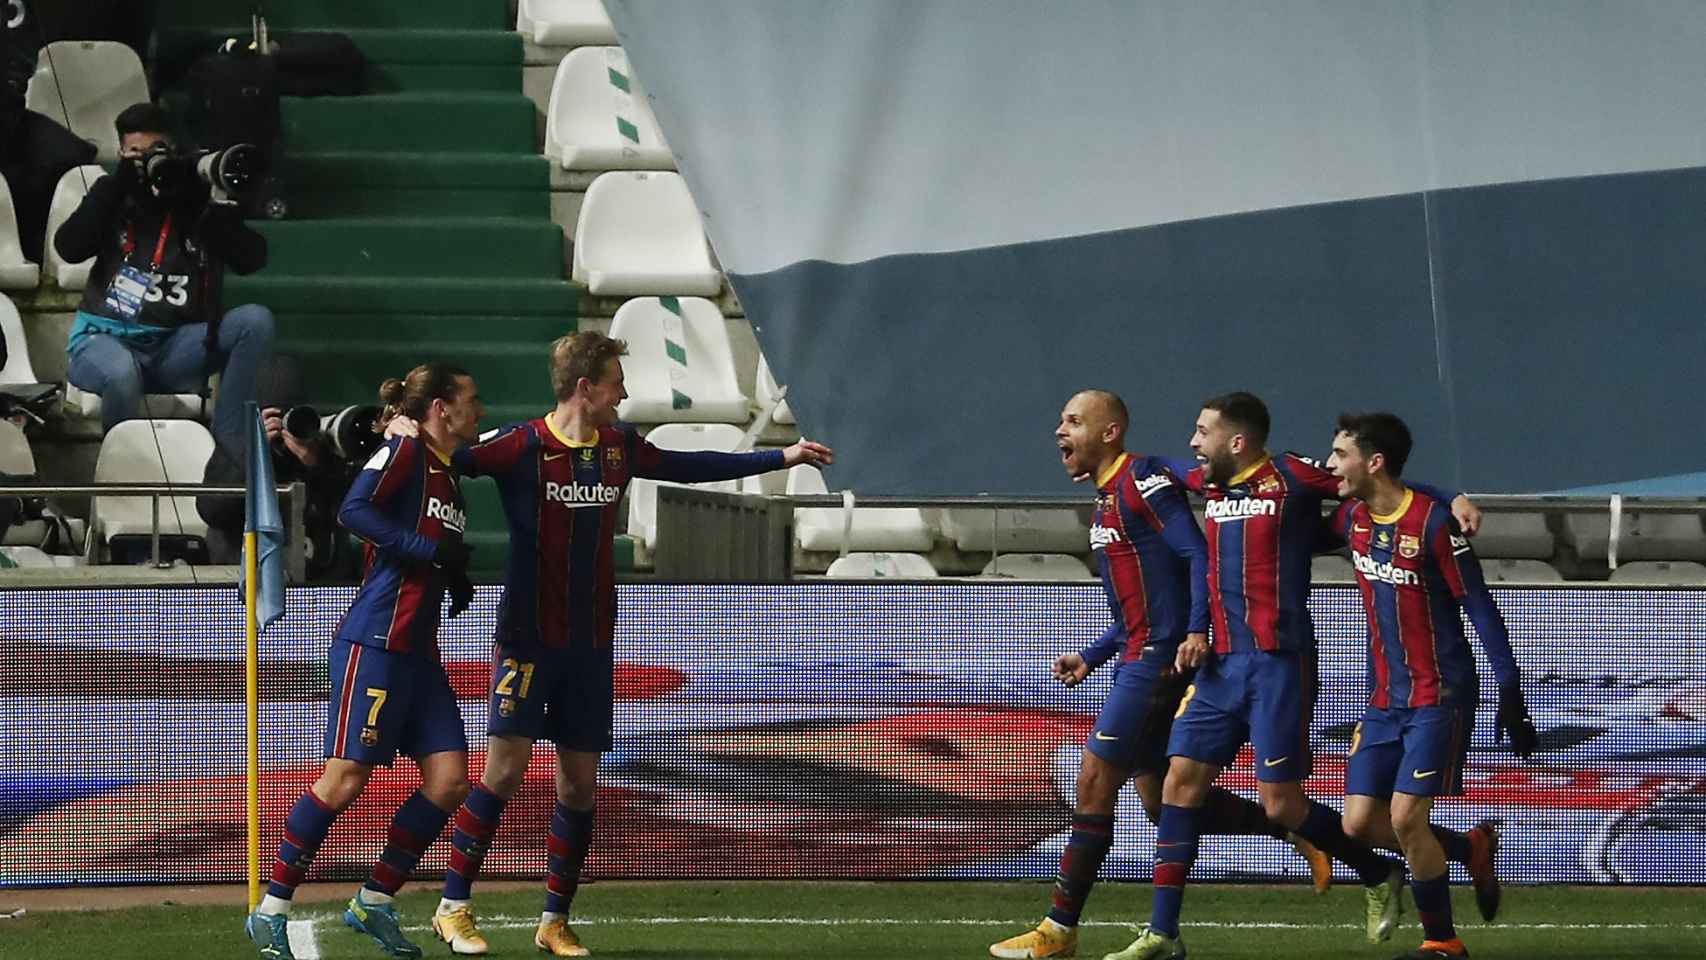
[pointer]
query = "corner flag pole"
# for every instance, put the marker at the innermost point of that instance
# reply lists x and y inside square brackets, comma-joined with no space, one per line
[251,710]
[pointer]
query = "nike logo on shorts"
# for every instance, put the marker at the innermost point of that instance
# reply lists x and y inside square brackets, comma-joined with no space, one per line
[1422,774]
[1276,762]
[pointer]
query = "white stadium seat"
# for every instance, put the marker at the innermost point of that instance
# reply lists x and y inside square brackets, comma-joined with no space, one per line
[639,234]
[1649,536]
[883,566]
[160,406]
[1515,536]
[18,368]
[88,83]
[151,451]
[16,458]
[564,23]
[881,529]
[1519,571]
[598,117]
[1660,573]
[1331,569]
[768,390]
[16,272]
[1038,566]
[680,366]
[643,494]
[66,198]
[1041,531]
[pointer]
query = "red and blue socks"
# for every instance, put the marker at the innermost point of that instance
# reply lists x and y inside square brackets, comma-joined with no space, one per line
[566,847]
[304,830]
[417,823]
[1086,848]
[1433,906]
[1175,851]
[475,824]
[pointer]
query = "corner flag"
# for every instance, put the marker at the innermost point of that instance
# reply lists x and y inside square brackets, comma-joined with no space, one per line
[261,519]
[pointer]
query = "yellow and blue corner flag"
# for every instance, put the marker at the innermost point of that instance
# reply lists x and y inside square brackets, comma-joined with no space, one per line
[263,522]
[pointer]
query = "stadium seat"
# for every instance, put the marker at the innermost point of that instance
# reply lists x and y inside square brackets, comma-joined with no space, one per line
[1038,566]
[27,557]
[1041,531]
[1650,536]
[18,368]
[151,451]
[83,85]
[598,117]
[880,529]
[768,390]
[1331,569]
[160,406]
[1519,571]
[1659,572]
[883,566]
[16,272]
[680,366]
[564,23]
[1517,536]
[66,196]
[16,458]
[639,234]
[643,494]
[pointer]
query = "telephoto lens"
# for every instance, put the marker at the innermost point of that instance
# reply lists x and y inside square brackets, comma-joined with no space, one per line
[303,423]
[165,170]
[351,431]
[233,169]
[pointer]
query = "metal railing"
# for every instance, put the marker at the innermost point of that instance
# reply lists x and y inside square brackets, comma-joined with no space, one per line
[294,506]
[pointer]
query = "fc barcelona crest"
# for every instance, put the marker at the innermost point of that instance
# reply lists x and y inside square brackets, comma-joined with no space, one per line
[1267,485]
[1105,502]
[1409,546]
[612,458]
[369,737]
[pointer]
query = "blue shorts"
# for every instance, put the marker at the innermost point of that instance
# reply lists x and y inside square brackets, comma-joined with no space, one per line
[1131,731]
[565,696]
[386,703]
[1266,699]
[1415,750]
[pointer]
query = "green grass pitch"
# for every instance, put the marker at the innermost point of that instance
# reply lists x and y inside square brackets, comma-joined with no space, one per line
[821,921]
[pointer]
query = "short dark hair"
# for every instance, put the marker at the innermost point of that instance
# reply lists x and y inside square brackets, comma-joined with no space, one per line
[1246,411]
[143,118]
[1116,407]
[1381,433]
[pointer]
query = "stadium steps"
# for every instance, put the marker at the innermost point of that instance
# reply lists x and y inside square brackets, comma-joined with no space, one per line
[420,222]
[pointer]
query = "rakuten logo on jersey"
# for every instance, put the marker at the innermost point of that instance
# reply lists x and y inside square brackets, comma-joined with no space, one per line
[1242,508]
[1101,536]
[447,514]
[1385,572]
[582,494]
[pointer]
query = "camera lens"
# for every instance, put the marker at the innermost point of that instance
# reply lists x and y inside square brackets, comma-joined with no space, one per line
[303,423]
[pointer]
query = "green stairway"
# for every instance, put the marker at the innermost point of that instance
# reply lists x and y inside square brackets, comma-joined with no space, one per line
[419,221]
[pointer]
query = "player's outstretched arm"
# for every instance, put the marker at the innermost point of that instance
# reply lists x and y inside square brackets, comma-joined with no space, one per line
[704,466]
[363,512]
[1462,571]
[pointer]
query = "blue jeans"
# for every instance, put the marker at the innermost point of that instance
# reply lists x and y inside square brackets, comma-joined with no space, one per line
[122,372]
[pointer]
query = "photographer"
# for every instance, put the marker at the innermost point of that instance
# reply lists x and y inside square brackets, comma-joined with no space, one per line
[150,319]
[314,460]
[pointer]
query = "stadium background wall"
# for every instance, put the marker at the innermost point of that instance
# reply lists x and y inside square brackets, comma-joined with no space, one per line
[807,730]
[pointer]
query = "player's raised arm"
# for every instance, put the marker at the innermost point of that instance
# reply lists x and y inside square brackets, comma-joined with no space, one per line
[1462,571]
[497,452]
[363,512]
[704,466]
[1182,535]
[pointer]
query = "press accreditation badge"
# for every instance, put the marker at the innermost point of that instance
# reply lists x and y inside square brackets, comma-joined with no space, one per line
[128,290]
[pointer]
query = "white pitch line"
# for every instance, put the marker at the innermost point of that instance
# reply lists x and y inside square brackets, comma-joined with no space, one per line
[500,922]
[303,942]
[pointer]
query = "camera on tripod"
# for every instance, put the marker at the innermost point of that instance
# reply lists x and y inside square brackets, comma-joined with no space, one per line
[233,170]
[349,432]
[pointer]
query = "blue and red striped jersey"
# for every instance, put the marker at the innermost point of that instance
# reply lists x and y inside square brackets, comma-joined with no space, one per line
[1261,531]
[1153,562]
[561,500]
[402,503]
[1415,568]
